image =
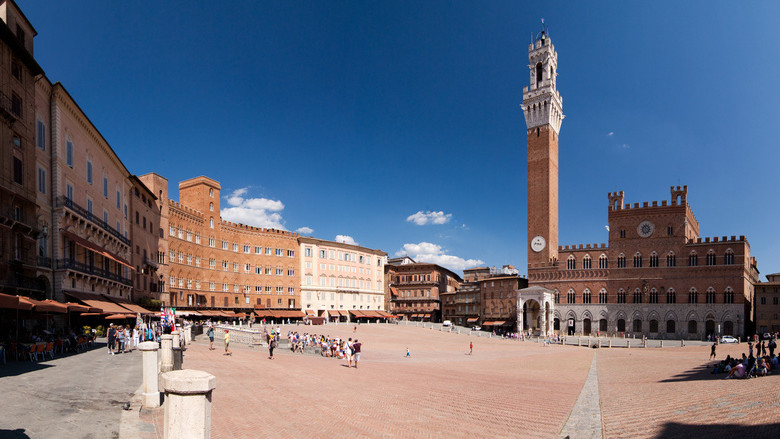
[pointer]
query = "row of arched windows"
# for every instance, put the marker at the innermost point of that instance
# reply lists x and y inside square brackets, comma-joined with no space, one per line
[671,260]
[652,296]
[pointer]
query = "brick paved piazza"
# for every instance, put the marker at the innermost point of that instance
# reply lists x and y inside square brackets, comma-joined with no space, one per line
[506,389]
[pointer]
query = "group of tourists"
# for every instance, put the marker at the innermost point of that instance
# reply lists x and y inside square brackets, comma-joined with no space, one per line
[750,365]
[123,339]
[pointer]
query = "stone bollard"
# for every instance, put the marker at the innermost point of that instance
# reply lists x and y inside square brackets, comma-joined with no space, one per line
[166,353]
[662,343]
[178,357]
[644,343]
[187,404]
[599,342]
[628,344]
[682,343]
[176,339]
[610,343]
[579,341]
[150,396]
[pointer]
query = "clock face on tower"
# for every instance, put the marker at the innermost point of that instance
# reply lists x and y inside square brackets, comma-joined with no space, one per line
[538,243]
[645,229]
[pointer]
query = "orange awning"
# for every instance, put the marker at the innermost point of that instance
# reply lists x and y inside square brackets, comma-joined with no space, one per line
[8,301]
[98,301]
[96,248]
[129,305]
[120,316]
[310,312]
[39,306]
[473,320]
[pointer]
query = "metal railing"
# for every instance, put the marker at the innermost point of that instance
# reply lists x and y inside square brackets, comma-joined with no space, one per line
[43,261]
[70,204]
[70,264]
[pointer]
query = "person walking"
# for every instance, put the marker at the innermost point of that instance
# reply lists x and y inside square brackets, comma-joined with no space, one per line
[356,349]
[471,348]
[210,334]
[271,347]
[111,339]
[227,342]
[349,352]
[712,353]
[408,355]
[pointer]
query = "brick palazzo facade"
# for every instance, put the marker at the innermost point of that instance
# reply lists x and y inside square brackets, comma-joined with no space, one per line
[217,264]
[415,288]
[768,304]
[657,277]
[486,297]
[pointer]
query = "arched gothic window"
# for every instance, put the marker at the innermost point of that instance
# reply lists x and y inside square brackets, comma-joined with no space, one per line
[711,257]
[621,296]
[693,296]
[603,296]
[693,259]
[671,296]
[586,296]
[671,260]
[571,263]
[638,260]
[728,295]
[539,71]
[621,261]
[710,295]
[586,262]
[728,258]
[603,261]
[653,296]
[637,295]
[571,296]
[654,259]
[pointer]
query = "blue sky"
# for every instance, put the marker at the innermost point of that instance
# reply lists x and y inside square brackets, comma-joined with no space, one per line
[348,118]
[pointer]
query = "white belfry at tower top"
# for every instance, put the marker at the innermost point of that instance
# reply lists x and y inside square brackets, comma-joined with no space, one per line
[542,104]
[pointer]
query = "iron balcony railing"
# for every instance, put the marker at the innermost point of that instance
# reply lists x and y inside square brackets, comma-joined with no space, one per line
[67,202]
[70,264]
[43,261]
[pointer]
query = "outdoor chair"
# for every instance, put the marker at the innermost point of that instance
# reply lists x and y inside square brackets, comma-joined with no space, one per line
[59,346]
[49,350]
[40,351]
[32,353]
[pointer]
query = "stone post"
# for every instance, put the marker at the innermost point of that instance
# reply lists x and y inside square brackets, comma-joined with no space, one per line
[682,343]
[176,339]
[644,343]
[178,357]
[662,343]
[579,341]
[187,404]
[610,343]
[166,353]
[599,342]
[150,398]
[628,344]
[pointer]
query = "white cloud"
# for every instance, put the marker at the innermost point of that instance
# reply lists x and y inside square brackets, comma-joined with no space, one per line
[305,230]
[428,252]
[610,134]
[625,146]
[258,212]
[346,239]
[422,218]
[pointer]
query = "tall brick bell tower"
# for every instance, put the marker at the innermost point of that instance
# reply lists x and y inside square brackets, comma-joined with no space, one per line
[542,106]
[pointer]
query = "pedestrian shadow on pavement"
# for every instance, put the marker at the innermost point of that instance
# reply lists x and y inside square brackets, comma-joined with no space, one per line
[676,430]
[13,434]
[696,374]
